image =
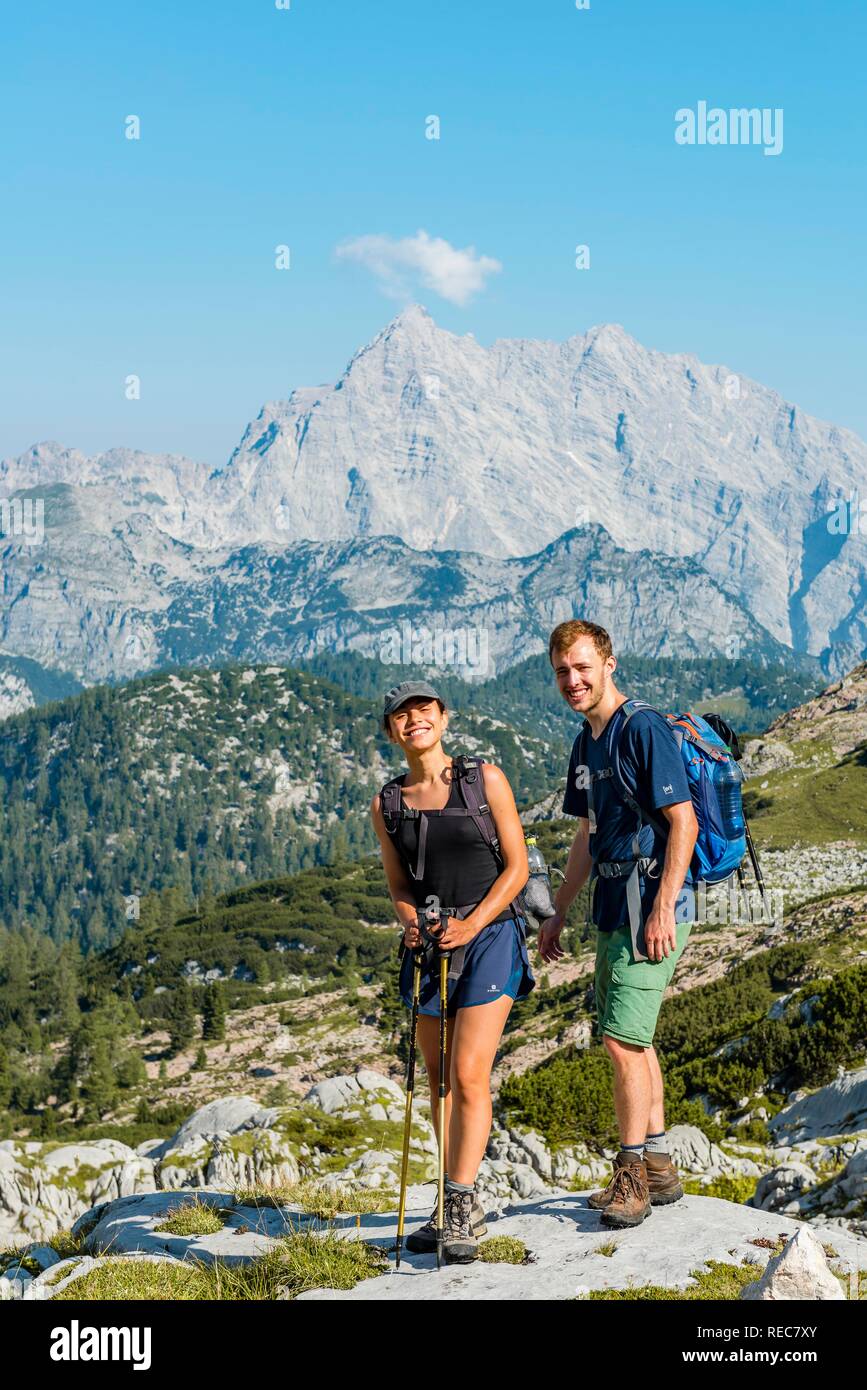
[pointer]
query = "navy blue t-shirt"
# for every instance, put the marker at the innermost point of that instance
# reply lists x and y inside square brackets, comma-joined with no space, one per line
[654,773]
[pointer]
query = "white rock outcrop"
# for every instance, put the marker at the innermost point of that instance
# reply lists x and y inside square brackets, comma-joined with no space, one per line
[800,1271]
[838,1108]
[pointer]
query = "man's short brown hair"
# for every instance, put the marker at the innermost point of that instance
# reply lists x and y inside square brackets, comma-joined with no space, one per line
[565,634]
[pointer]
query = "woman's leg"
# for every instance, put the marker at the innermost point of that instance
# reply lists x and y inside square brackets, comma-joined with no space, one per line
[473,1048]
[429,1041]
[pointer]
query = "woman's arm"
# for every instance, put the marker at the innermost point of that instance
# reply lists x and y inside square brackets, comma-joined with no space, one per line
[396,877]
[513,849]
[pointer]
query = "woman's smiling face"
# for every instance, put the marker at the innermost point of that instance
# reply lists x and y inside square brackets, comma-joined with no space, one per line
[418,724]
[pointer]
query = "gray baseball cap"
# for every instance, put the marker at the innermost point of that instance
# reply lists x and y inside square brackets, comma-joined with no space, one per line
[405,691]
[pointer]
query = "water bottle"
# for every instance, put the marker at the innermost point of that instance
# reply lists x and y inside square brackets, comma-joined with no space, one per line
[727,782]
[537,894]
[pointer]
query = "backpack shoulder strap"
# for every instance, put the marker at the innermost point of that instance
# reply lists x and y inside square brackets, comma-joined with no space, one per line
[393,812]
[390,804]
[582,742]
[471,785]
[630,708]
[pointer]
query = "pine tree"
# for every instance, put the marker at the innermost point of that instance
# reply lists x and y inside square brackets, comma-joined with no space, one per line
[99,1087]
[5,1078]
[180,1018]
[214,1013]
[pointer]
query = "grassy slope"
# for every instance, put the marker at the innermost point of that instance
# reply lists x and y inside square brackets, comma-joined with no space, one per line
[820,800]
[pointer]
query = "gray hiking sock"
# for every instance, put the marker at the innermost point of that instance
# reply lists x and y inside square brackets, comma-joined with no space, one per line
[452,1186]
[637,1149]
[656,1144]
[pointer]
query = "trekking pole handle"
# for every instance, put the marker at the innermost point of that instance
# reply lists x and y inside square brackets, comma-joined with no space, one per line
[432,918]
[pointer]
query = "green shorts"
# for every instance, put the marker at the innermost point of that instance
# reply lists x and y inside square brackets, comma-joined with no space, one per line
[629,991]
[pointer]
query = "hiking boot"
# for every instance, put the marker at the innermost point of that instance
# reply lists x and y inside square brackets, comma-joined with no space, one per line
[600,1200]
[630,1196]
[424,1240]
[460,1245]
[662,1180]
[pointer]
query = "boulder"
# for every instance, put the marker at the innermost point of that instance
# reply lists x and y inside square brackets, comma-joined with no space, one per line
[339,1094]
[258,1156]
[12,1290]
[43,1188]
[129,1225]
[692,1152]
[838,1108]
[762,756]
[800,1271]
[780,1189]
[43,1255]
[227,1116]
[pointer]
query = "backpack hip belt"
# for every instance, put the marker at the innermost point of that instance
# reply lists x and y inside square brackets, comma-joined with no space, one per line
[458,955]
[621,868]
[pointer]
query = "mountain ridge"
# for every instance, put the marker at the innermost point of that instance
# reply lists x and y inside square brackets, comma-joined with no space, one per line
[461,449]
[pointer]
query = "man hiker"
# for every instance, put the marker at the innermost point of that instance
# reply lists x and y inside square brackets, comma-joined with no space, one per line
[641,899]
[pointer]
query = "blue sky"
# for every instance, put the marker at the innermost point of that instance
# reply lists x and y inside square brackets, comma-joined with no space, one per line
[307,127]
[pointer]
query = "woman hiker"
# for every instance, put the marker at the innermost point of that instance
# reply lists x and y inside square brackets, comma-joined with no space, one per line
[452,840]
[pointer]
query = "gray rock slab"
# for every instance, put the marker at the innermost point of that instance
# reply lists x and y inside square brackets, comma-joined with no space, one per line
[564,1235]
[227,1116]
[128,1226]
[838,1108]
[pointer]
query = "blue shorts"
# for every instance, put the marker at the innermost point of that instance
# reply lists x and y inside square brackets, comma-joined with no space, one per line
[496,963]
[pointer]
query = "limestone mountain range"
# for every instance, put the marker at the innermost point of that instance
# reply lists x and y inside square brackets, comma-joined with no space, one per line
[440,482]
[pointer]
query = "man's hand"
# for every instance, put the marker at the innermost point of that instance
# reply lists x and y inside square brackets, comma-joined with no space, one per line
[549,938]
[660,932]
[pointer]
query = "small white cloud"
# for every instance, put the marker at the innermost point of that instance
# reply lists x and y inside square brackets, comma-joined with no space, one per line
[398,264]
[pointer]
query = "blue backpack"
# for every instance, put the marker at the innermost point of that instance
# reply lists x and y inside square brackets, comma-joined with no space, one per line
[715,786]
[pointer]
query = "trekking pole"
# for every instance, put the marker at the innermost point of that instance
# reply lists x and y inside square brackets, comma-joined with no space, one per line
[754,860]
[410,1086]
[742,886]
[441,1157]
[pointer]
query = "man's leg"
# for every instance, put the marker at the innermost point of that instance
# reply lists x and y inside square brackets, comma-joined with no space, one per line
[626,1200]
[656,1119]
[633,1091]
[663,1181]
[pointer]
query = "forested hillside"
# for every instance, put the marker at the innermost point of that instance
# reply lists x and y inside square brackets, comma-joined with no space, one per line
[202,780]
[526,695]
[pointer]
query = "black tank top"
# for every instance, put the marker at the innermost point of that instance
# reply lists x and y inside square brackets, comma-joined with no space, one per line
[459,867]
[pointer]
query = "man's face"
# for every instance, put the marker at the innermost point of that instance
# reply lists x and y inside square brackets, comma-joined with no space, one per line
[582,675]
